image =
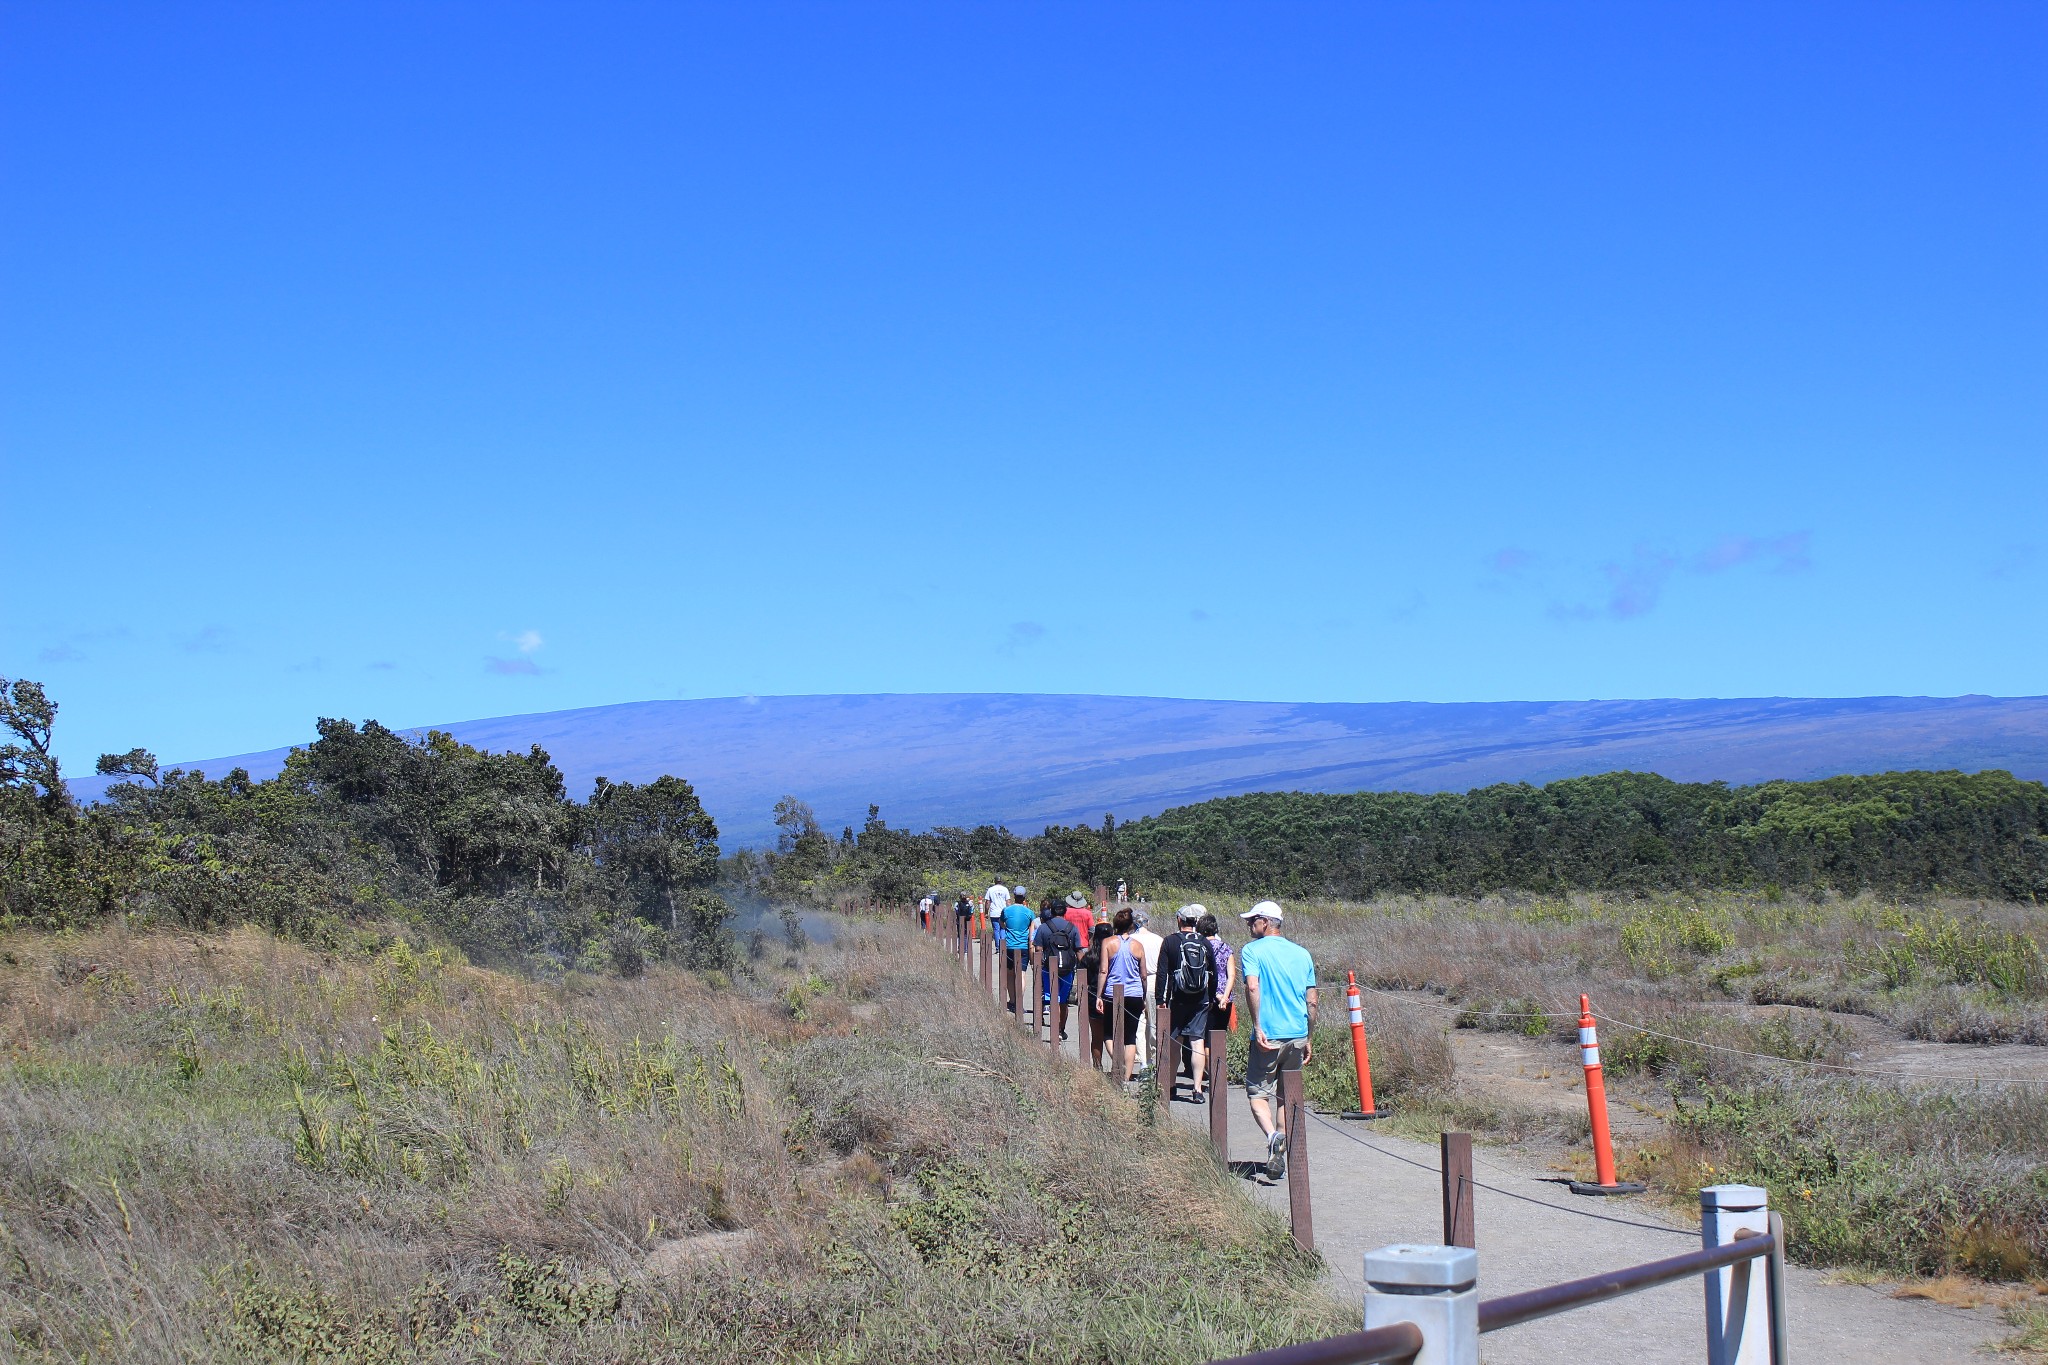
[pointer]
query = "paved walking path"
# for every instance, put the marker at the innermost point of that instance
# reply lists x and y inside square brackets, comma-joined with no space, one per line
[1366,1193]
[1371,1188]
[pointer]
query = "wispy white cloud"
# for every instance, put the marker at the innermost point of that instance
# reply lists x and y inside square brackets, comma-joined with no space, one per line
[207,640]
[1785,554]
[1636,585]
[512,667]
[2013,562]
[1510,562]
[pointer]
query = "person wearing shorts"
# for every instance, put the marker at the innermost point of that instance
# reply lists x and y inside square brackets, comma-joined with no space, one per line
[1280,988]
[1018,920]
[1123,988]
[1187,1002]
[1059,949]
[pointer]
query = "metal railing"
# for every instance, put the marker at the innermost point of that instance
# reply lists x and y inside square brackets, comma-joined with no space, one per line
[1428,1299]
[1397,1342]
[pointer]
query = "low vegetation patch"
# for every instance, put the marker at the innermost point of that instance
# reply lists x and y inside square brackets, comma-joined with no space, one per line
[1758,1014]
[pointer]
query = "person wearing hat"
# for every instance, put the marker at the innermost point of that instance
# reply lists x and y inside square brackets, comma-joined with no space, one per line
[1080,916]
[1185,986]
[1280,988]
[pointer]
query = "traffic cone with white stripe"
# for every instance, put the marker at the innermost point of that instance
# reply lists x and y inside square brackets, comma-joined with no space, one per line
[1366,1108]
[1596,1108]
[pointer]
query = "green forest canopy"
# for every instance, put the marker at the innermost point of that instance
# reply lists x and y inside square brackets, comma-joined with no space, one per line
[365,824]
[489,849]
[1971,833]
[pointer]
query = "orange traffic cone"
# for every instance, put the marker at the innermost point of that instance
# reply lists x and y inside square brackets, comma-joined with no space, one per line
[1366,1108]
[1596,1108]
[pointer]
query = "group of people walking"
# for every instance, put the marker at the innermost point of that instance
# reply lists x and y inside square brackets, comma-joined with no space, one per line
[1193,975]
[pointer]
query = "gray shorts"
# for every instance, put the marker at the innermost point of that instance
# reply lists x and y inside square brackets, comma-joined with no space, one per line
[1262,1073]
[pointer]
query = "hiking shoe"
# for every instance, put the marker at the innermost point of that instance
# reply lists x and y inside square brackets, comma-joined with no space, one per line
[1063,1035]
[1276,1155]
[1198,1098]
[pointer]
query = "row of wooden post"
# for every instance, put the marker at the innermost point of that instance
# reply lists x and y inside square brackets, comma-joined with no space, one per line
[1010,985]
[1025,993]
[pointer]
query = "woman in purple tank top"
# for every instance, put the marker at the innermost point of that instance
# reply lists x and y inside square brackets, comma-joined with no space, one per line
[1123,986]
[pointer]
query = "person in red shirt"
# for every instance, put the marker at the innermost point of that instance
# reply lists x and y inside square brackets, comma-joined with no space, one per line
[1080,916]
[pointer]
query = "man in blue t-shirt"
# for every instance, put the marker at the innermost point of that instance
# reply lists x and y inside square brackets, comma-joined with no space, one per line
[1280,984]
[1018,917]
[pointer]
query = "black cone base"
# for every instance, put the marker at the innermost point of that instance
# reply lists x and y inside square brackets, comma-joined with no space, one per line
[1355,1114]
[1618,1187]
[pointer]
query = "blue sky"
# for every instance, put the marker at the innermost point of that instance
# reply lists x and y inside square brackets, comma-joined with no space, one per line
[438,361]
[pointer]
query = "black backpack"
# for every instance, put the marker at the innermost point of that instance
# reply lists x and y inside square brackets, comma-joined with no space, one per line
[1061,937]
[1194,971]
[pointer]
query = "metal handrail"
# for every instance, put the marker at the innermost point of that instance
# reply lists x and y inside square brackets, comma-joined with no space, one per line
[1511,1309]
[1396,1343]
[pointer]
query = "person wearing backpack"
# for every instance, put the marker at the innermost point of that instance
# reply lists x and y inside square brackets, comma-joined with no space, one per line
[1060,949]
[1186,986]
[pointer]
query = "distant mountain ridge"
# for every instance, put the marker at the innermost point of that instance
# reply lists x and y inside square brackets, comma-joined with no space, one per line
[1028,760]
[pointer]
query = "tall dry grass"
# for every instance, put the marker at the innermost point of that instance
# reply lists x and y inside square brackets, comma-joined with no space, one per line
[235,1147]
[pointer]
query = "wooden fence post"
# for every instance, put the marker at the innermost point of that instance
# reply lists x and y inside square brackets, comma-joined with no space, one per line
[1113,1020]
[1298,1215]
[1454,1151]
[1219,1093]
[1162,1078]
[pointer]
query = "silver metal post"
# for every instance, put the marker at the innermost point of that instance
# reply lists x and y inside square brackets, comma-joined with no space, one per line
[1437,1289]
[1738,1306]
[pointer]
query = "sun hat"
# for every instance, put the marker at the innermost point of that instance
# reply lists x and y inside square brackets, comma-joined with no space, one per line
[1188,914]
[1076,901]
[1266,910]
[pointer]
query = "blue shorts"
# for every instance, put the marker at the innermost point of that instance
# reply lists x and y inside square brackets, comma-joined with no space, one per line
[1066,985]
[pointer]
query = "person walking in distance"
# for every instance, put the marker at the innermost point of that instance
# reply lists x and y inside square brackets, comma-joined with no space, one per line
[1186,985]
[1017,922]
[1280,988]
[1059,948]
[963,918]
[1123,988]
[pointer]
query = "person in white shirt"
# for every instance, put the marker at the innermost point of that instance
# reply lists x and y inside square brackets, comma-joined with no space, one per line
[1152,944]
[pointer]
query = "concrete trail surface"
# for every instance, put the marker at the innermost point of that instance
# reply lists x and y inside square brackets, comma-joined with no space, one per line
[1365,1194]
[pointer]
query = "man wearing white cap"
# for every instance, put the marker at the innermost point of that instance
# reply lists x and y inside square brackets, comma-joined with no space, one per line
[1280,984]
